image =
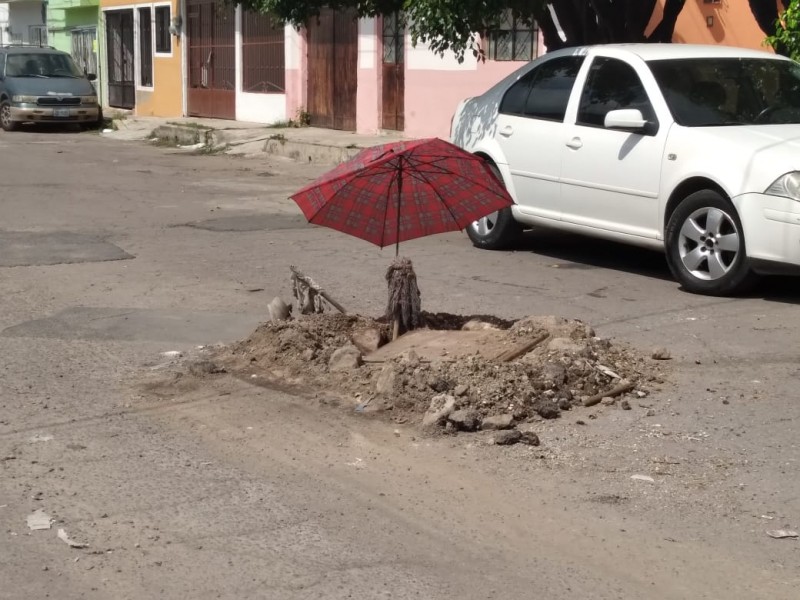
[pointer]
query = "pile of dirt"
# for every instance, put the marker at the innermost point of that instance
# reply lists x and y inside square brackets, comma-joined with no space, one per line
[569,367]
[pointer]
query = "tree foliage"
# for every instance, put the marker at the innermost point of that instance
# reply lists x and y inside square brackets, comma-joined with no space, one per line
[453,24]
[785,38]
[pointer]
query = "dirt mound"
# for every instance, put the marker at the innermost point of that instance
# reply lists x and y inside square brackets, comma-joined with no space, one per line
[567,366]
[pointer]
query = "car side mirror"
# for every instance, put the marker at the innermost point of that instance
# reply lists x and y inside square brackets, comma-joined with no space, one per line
[91,76]
[630,119]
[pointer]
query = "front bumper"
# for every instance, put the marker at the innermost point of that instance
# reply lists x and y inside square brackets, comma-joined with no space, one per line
[32,113]
[771,229]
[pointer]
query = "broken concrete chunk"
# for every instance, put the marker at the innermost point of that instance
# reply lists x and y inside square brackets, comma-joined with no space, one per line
[367,340]
[461,390]
[498,422]
[279,310]
[62,535]
[441,407]
[547,409]
[39,520]
[347,358]
[465,420]
[387,379]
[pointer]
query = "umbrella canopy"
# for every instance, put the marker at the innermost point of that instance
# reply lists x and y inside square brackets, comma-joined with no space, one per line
[404,190]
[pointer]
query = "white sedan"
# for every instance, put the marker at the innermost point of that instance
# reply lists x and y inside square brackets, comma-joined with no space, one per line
[691,149]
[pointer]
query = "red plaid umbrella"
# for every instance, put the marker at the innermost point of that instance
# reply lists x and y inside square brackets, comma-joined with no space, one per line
[404,190]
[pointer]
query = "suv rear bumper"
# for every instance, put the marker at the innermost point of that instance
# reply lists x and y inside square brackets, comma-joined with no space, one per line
[46,114]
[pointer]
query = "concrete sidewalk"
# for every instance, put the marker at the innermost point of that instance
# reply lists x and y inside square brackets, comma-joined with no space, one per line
[306,144]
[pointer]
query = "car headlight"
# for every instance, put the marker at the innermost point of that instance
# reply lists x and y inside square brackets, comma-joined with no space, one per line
[25,99]
[787,186]
[88,99]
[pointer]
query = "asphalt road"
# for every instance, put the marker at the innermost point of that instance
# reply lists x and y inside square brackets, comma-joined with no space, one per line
[113,253]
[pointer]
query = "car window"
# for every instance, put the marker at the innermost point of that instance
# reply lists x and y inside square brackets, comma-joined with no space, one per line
[707,92]
[544,92]
[41,65]
[612,84]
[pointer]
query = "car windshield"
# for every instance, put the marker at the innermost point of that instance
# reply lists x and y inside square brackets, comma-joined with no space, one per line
[704,92]
[41,65]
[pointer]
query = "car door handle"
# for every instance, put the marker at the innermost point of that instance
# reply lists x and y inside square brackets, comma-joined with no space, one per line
[575,143]
[507,131]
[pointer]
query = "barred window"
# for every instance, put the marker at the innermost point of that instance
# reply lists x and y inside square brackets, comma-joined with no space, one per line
[145,47]
[163,36]
[263,54]
[514,39]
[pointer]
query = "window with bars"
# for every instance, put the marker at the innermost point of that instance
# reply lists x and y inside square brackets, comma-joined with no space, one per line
[145,47]
[514,39]
[263,54]
[163,37]
[393,39]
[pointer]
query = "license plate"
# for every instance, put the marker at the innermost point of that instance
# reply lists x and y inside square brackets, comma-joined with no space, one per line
[60,112]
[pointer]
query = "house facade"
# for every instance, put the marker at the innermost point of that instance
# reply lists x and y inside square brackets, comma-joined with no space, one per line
[24,22]
[72,28]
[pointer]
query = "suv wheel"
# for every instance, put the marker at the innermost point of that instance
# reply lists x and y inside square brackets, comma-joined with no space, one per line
[705,246]
[496,231]
[5,116]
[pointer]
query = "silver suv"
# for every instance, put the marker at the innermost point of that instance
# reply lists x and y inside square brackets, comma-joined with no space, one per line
[43,85]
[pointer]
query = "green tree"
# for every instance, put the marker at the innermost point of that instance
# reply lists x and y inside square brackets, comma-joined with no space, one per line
[453,24]
[786,39]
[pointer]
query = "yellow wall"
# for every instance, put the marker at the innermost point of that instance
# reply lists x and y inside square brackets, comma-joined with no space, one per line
[166,97]
[733,24]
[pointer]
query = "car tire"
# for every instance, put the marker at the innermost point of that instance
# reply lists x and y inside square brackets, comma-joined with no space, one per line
[497,231]
[5,117]
[706,249]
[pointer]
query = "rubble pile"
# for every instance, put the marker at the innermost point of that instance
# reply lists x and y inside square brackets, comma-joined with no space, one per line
[570,367]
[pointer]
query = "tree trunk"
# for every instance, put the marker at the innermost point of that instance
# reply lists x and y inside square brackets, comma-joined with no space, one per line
[664,30]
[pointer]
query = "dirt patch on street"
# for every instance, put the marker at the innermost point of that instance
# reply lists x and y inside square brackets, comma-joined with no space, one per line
[516,372]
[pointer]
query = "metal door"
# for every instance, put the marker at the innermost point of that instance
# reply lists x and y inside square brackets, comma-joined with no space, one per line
[83,48]
[212,59]
[333,69]
[119,42]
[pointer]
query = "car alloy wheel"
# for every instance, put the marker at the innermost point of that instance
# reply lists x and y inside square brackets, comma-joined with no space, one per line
[5,117]
[706,247]
[709,243]
[484,226]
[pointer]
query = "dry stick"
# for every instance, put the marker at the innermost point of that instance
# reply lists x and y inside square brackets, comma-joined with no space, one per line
[396,330]
[310,283]
[616,391]
[521,350]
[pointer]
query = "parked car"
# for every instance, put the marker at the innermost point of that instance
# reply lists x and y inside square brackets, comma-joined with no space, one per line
[691,149]
[44,85]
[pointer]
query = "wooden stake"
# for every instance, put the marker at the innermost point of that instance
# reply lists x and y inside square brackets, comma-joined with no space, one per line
[522,349]
[313,285]
[626,386]
[396,330]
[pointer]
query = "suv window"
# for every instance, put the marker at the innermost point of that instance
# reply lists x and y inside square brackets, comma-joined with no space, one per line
[544,92]
[612,84]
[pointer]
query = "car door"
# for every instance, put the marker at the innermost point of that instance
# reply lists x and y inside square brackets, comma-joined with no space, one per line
[530,133]
[610,178]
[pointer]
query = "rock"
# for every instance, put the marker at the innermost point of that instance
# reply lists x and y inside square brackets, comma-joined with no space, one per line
[441,407]
[498,422]
[438,384]
[309,354]
[465,420]
[279,310]
[546,409]
[410,358]
[661,354]
[461,390]
[367,340]
[387,379]
[553,375]
[478,325]
[608,401]
[530,438]
[564,404]
[346,358]
[508,437]
[625,405]
[650,412]
[567,346]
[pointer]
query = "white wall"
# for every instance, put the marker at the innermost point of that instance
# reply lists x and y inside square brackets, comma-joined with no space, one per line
[20,16]
[3,22]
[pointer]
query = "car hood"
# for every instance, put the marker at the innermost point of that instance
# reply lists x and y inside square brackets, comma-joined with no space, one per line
[754,155]
[51,86]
